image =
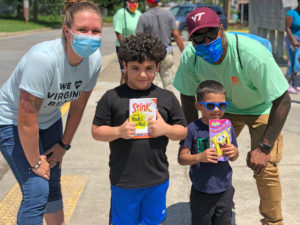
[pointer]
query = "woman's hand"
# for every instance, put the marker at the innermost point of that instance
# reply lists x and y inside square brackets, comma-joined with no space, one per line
[56,156]
[44,169]
[296,43]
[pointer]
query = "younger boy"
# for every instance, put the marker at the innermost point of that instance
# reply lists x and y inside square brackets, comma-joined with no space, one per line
[211,198]
[138,167]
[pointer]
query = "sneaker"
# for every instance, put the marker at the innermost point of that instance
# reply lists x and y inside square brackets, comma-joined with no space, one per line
[292,90]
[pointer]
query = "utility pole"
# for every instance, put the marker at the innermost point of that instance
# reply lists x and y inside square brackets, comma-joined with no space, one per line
[26,11]
[227,9]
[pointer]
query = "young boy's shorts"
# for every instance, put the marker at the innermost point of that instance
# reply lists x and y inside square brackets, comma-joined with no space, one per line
[139,205]
[212,209]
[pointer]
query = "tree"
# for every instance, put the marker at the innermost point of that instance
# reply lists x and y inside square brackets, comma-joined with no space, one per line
[35,10]
[20,10]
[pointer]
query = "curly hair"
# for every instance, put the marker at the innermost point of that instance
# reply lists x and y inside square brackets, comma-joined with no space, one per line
[141,47]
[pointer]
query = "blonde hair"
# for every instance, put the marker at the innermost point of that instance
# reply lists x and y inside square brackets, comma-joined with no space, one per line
[74,6]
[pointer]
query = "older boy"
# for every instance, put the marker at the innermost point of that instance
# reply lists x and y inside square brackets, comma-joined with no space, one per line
[138,167]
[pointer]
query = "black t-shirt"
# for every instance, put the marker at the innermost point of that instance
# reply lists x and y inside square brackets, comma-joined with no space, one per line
[137,163]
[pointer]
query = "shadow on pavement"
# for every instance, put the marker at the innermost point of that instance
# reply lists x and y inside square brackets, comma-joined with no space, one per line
[178,214]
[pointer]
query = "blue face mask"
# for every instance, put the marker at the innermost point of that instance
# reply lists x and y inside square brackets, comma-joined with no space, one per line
[210,52]
[85,45]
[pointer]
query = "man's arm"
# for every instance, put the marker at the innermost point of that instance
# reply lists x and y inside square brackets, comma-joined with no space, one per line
[120,37]
[279,112]
[188,108]
[178,39]
[256,159]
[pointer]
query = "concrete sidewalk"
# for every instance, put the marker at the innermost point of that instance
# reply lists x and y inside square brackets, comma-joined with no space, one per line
[89,157]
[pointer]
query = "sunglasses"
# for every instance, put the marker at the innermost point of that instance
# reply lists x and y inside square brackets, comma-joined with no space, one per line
[211,34]
[210,106]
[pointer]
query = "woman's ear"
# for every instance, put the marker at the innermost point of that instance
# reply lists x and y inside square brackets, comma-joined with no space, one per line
[66,32]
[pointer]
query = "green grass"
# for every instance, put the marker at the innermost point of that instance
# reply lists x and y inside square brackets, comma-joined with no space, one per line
[108,19]
[10,24]
[237,27]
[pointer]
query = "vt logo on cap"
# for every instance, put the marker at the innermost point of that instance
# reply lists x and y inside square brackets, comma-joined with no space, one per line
[197,17]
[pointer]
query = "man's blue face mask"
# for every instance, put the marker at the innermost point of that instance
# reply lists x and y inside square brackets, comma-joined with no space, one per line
[85,45]
[211,52]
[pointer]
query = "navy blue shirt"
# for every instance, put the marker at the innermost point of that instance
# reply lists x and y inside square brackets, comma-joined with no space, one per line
[209,178]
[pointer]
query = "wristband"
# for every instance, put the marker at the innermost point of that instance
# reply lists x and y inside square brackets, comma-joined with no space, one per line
[64,146]
[37,165]
[265,148]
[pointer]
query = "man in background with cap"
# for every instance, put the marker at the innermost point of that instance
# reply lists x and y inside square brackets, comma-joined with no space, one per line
[256,94]
[162,24]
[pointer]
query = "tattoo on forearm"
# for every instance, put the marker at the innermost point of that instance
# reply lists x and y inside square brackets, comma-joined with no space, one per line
[30,103]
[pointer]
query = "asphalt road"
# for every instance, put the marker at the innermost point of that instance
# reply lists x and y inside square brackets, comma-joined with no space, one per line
[12,48]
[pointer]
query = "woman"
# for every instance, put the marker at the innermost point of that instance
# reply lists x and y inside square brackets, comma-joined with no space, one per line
[125,21]
[31,137]
[292,42]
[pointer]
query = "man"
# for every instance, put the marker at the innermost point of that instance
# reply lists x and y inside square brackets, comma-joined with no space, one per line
[256,93]
[162,24]
[125,21]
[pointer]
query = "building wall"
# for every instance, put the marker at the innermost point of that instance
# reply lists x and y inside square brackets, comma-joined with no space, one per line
[267,19]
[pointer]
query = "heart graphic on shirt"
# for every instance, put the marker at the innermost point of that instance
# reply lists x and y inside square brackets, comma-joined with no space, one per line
[78,83]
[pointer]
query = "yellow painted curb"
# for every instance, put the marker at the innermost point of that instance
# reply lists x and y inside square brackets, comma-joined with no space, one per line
[71,186]
[64,108]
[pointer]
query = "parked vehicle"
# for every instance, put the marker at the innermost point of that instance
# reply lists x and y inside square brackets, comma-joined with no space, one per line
[181,11]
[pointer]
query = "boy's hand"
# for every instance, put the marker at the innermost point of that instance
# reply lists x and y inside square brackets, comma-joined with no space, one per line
[127,130]
[209,155]
[230,151]
[158,127]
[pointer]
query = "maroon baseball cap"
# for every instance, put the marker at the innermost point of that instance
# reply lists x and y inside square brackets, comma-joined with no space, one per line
[201,17]
[153,2]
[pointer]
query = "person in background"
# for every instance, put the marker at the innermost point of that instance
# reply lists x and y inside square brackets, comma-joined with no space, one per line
[292,43]
[139,173]
[124,22]
[32,139]
[211,199]
[256,92]
[162,24]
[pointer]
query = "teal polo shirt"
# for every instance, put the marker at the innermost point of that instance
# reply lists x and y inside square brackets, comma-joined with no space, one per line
[125,22]
[250,90]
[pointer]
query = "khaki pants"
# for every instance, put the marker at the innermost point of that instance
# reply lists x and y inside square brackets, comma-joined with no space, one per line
[268,184]
[166,72]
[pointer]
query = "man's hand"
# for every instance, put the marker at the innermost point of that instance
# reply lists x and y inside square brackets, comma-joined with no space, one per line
[56,156]
[209,156]
[231,151]
[257,160]
[127,130]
